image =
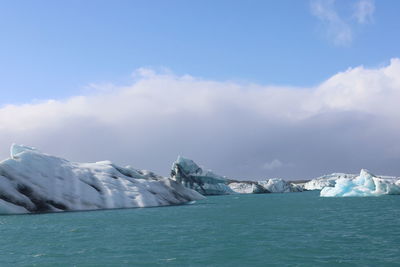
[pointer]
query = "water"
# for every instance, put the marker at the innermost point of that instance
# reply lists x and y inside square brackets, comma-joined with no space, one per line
[239,230]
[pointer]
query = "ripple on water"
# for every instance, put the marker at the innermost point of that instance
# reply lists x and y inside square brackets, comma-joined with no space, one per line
[241,230]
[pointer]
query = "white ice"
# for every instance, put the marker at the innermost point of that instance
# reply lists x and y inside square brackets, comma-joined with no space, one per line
[247,187]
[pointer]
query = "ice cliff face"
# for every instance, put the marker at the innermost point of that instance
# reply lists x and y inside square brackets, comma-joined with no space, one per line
[366,184]
[188,173]
[31,181]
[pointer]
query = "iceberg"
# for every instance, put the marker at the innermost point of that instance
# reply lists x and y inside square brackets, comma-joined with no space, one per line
[247,187]
[32,181]
[366,184]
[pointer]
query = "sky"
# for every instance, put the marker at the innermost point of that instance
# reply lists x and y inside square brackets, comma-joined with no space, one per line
[249,89]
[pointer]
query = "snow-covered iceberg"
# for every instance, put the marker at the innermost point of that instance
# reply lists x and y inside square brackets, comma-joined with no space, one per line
[366,184]
[31,181]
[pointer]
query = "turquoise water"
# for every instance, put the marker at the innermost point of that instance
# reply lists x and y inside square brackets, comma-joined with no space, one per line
[239,230]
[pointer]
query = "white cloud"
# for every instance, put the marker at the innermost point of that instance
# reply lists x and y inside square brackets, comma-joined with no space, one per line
[364,10]
[274,164]
[348,122]
[337,28]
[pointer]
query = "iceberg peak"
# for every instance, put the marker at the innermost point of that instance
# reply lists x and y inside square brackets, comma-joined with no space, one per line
[366,173]
[188,164]
[18,149]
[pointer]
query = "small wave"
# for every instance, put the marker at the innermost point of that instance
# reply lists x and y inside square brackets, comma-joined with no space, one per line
[170,259]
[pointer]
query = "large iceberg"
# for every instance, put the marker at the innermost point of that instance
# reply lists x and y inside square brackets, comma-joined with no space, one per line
[206,182]
[366,184]
[31,181]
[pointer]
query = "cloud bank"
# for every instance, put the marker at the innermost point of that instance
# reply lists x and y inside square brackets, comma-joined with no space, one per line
[242,130]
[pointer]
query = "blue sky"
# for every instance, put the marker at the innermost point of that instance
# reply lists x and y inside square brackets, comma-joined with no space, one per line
[250,89]
[53,49]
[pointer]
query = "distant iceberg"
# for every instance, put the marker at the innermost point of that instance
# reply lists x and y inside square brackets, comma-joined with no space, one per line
[328,180]
[31,181]
[277,185]
[247,187]
[366,184]
[206,182]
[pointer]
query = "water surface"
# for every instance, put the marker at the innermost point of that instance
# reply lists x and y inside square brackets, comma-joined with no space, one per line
[239,230]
